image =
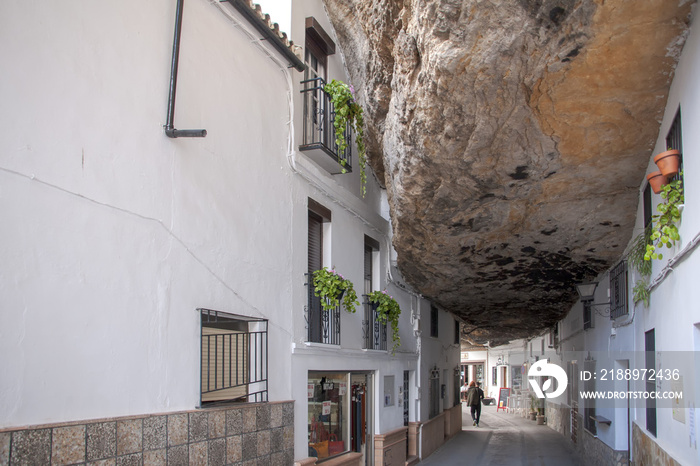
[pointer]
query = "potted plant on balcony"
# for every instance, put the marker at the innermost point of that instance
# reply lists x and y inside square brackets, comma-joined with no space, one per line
[387,310]
[668,162]
[665,229]
[347,110]
[331,287]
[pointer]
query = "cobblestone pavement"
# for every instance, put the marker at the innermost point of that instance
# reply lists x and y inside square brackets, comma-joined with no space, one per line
[504,440]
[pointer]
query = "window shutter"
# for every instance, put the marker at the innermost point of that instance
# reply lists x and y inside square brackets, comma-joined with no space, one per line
[315,242]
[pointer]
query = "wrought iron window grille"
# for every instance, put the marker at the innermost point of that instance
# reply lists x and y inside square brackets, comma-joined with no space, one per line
[322,326]
[318,127]
[618,290]
[234,357]
[373,331]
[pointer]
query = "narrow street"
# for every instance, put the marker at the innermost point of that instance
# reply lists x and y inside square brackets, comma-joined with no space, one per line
[505,440]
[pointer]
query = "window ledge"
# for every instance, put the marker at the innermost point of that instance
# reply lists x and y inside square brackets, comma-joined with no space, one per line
[313,344]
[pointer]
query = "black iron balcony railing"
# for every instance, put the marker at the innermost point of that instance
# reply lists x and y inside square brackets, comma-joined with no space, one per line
[234,358]
[319,133]
[373,332]
[323,326]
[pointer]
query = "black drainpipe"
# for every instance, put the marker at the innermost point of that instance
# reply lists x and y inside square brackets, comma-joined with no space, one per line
[170,130]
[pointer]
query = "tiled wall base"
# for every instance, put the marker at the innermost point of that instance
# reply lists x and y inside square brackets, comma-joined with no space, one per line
[647,452]
[246,434]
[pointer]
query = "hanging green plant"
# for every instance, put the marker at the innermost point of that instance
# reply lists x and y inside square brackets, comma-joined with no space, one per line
[665,228]
[331,287]
[388,310]
[641,292]
[348,110]
[638,251]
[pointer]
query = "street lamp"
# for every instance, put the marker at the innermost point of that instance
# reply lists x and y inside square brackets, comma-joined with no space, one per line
[586,292]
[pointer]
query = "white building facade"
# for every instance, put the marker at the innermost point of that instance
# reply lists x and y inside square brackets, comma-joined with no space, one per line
[139,269]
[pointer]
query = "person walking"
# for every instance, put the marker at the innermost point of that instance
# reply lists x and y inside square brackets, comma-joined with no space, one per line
[474,397]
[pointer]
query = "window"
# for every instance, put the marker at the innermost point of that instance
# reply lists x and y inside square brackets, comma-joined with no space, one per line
[234,358]
[587,315]
[433,321]
[456,332]
[373,331]
[618,290]
[589,403]
[650,364]
[327,418]
[406,375]
[647,206]
[674,139]
[323,326]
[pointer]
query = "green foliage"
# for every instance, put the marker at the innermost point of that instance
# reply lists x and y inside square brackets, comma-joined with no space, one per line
[347,110]
[328,285]
[638,251]
[665,229]
[641,292]
[387,310]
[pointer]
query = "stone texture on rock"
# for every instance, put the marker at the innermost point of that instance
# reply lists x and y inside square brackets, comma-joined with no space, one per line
[512,137]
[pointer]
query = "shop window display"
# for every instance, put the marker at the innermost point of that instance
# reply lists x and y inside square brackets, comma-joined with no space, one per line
[327,416]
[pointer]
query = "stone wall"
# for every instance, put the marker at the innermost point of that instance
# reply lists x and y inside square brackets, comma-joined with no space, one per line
[647,451]
[559,418]
[254,433]
[591,449]
[598,453]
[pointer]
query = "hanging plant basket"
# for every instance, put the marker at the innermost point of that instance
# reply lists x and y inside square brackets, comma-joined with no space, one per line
[668,162]
[334,289]
[657,180]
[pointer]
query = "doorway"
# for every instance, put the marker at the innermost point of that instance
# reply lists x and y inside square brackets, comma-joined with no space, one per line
[361,416]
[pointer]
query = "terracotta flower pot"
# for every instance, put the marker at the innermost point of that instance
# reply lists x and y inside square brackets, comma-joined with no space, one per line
[668,162]
[656,180]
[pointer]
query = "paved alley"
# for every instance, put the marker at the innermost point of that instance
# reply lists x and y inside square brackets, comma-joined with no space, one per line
[504,440]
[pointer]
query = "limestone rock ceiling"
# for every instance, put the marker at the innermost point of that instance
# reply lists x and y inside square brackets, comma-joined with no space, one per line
[512,137]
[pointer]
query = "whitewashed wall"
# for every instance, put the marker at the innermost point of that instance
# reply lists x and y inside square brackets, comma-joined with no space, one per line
[113,234]
[674,311]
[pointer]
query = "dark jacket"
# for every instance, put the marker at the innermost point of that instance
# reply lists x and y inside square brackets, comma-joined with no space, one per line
[474,396]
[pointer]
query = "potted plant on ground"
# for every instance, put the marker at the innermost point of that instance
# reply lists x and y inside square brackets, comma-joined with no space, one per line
[668,162]
[540,414]
[388,310]
[347,110]
[665,228]
[533,411]
[331,287]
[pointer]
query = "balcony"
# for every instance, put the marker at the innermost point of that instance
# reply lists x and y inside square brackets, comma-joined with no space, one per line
[233,358]
[319,135]
[323,326]
[373,332]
